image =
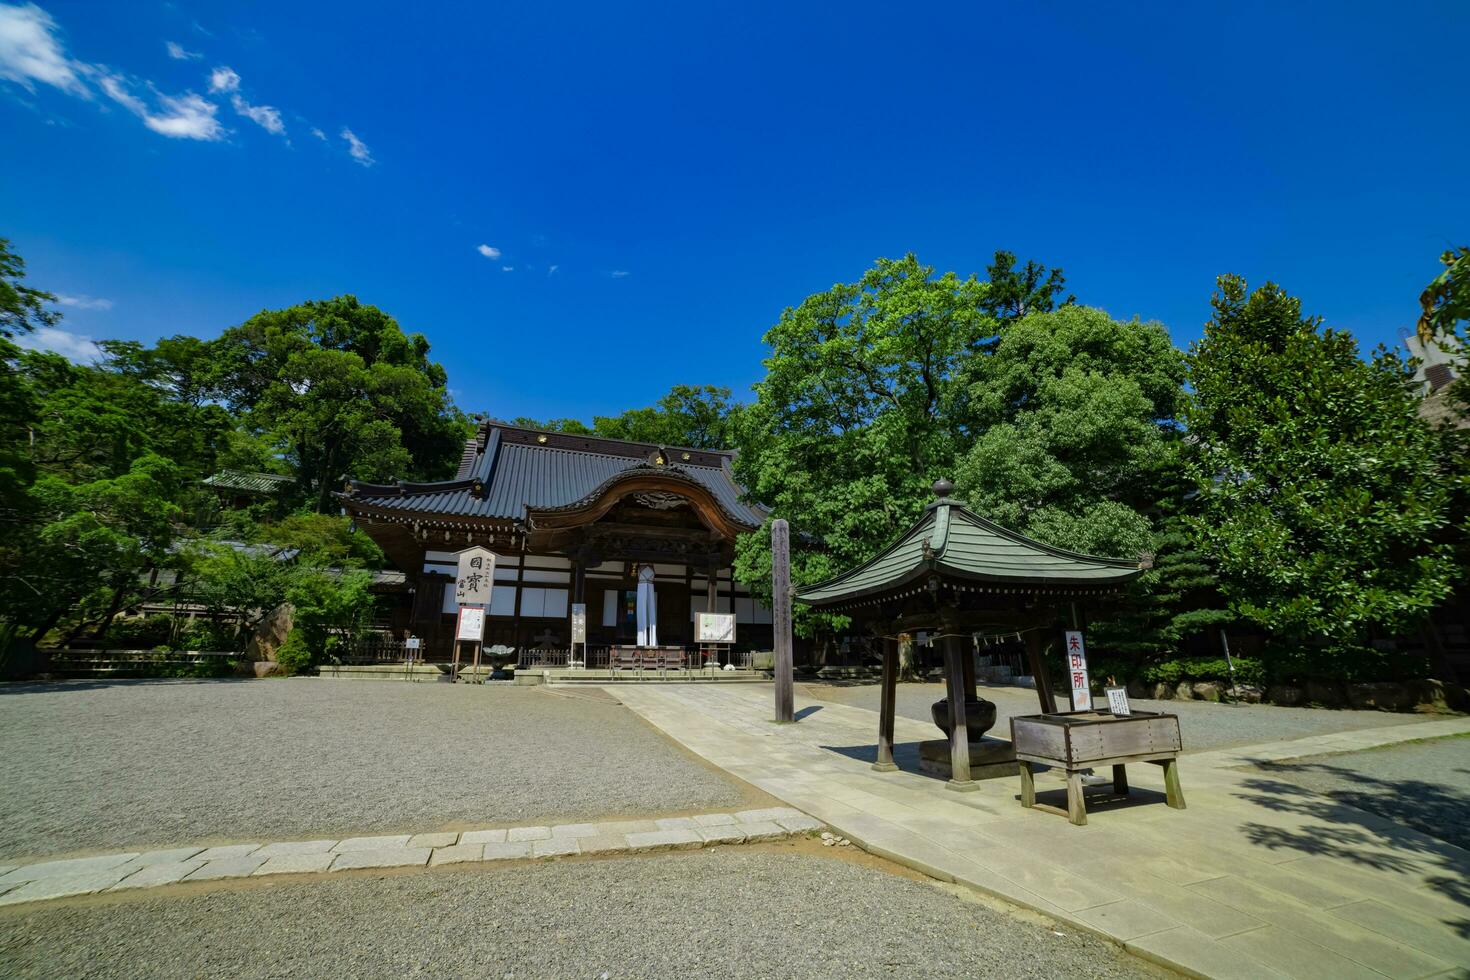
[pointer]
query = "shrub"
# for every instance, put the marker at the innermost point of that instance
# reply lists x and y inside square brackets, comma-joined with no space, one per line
[1248,670]
[139,633]
[294,655]
[206,634]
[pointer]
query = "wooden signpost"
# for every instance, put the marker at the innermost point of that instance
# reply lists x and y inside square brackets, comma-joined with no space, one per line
[781,618]
[715,633]
[473,583]
[579,635]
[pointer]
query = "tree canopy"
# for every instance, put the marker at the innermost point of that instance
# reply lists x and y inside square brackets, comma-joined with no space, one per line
[335,389]
[1323,494]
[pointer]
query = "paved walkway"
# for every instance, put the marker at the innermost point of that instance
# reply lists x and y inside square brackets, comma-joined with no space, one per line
[40,880]
[1257,878]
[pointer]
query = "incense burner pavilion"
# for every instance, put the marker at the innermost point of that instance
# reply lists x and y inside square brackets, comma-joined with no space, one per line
[643,534]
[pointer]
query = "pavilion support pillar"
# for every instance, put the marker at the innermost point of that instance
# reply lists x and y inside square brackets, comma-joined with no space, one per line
[886,700]
[959,737]
[1035,647]
[967,655]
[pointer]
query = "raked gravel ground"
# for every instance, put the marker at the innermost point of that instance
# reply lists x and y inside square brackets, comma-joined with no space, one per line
[1202,725]
[726,912]
[90,766]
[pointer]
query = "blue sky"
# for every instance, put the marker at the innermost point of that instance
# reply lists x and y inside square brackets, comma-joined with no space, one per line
[653,184]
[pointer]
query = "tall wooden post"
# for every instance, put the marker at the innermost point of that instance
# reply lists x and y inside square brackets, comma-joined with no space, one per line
[781,618]
[885,761]
[1035,646]
[959,736]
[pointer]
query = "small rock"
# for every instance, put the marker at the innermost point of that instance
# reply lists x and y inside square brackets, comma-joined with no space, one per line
[1206,690]
[1288,694]
[1163,692]
[1184,691]
[1245,692]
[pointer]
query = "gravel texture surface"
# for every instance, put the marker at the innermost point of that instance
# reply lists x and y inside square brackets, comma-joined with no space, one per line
[1425,785]
[1202,725]
[97,766]
[720,913]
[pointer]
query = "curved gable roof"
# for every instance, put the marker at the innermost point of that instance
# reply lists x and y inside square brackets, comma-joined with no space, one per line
[952,542]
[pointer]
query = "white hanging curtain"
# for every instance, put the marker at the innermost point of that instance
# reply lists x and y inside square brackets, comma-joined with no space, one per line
[647,609]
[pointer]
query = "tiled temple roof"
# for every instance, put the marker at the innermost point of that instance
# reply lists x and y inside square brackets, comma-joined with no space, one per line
[506,470]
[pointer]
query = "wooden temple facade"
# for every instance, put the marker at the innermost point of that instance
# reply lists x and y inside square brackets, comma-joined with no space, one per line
[570,519]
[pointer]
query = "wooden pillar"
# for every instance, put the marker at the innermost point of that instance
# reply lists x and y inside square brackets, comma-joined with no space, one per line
[1035,645]
[967,654]
[712,589]
[781,618]
[959,737]
[886,700]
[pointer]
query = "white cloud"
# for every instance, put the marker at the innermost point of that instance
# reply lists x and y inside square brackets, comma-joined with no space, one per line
[489,251]
[224,79]
[178,52]
[357,148]
[507,268]
[186,116]
[85,302]
[319,134]
[30,51]
[267,117]
[73,347]
[551,270]
[620,273]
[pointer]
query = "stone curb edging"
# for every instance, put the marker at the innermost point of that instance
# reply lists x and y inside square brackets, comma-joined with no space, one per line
[44,880]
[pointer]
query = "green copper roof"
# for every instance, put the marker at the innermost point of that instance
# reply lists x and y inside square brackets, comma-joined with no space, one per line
[953,543]
[243,482]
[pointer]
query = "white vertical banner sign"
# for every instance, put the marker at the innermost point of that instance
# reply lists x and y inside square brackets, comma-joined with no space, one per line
[1077,671]
[579,622]
[476,577]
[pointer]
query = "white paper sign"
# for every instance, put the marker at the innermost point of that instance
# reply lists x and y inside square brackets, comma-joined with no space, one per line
[715,628]
[1076,654]
[475,578]
[412,643]
[579,622]
[471,626]
[1118,700]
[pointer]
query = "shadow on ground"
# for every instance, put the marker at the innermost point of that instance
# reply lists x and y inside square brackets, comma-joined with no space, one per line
[1398,825]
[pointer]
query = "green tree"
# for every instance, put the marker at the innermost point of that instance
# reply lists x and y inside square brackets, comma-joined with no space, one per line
[1445,302]
[339,390]
[86,548]
[1075,415]
[1015,293]
[22,308]
[689,416]
[1079,445]
[854,419]
[1324,497]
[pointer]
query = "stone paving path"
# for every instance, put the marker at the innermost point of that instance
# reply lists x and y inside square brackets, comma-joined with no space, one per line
[1257,878]
[40,880]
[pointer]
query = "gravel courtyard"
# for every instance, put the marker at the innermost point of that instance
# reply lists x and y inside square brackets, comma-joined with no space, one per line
[1202,725]
[108,765]
[725,912]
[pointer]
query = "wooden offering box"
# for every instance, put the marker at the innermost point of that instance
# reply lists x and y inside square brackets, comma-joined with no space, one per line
[1078,740]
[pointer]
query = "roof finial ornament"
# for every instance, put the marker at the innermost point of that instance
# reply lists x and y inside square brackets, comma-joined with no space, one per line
[942,488]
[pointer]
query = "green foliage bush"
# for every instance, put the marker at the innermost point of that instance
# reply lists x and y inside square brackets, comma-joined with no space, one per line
[1248,670]
[139,633]
[294,656]
[206,634]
